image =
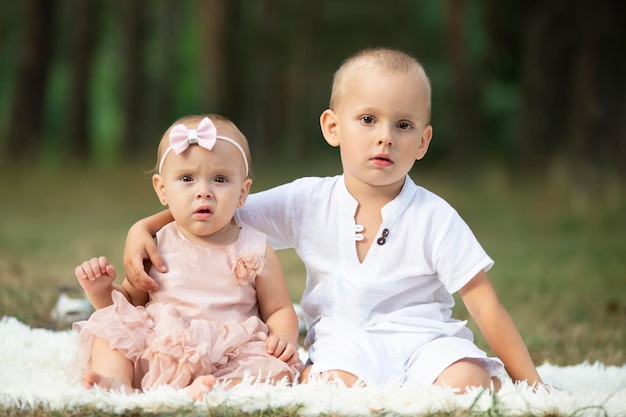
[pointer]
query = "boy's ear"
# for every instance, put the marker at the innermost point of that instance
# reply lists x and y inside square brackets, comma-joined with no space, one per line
[330,129]
[159,188]
[427,135]
[245,190]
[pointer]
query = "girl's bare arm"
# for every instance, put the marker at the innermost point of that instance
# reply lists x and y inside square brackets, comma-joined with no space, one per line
[277,311]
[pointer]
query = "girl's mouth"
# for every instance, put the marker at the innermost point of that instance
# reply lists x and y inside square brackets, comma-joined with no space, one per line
[203,212]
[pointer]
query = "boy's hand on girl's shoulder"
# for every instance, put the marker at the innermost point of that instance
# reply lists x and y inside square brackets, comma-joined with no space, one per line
[140,253]
[137,276]
[95,275]
[136,268]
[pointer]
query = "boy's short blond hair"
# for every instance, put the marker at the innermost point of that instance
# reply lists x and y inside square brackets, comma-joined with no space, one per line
[382,59]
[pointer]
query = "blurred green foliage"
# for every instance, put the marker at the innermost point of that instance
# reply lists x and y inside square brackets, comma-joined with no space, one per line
[526,83]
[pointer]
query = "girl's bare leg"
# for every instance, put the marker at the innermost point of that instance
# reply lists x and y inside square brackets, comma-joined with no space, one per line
[199,386]
[109,368]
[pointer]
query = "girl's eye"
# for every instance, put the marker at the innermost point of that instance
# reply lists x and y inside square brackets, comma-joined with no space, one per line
[368,120]
[221,179]
[404,125]
[186,178]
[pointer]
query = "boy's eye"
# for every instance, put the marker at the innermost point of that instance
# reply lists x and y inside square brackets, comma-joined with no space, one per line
[368,120]
[404,125]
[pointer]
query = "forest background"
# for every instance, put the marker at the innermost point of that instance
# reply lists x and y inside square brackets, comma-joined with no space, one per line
[529,117]
[524,82]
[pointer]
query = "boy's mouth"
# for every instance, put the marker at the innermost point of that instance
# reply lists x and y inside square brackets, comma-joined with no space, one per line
[382,160]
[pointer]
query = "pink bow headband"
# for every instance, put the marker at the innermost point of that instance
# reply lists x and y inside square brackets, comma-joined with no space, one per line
[204,135]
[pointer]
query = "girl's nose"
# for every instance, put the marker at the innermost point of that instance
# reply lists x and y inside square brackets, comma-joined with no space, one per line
[204,192]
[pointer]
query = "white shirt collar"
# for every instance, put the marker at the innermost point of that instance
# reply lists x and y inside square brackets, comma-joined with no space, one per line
[392,209]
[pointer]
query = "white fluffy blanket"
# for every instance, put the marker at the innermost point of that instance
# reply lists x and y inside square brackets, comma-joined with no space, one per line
[33,372]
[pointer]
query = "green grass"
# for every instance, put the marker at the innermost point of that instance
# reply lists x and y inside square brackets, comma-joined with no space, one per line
[560,249]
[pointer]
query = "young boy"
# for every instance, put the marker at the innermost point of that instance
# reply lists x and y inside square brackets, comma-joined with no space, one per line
[383,255]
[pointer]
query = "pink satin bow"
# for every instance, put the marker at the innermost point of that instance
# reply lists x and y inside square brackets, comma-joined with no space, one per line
[204,135]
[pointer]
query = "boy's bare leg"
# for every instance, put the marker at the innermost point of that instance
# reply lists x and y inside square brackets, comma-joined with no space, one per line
[109,368]
[278,377]
[467,373]
[347,378]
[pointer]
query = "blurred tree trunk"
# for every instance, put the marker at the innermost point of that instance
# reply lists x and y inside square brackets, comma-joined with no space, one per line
[259,87]
[133,75]
[548,48]
[572,86]
[167,32]
[598,142]
[270,86]
[586,130]
[463,99]
[231,88]
[213,17]
[24,139]
[85,15]
[301,48]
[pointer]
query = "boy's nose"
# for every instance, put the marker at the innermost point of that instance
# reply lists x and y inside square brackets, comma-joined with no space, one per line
[385,139]
[385,135]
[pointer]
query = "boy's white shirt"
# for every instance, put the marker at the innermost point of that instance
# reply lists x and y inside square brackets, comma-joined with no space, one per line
[404,285]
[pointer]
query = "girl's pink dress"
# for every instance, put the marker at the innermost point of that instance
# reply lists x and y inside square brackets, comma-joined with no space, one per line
[204,319]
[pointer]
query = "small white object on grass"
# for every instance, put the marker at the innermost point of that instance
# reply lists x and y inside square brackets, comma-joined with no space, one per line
[70,309]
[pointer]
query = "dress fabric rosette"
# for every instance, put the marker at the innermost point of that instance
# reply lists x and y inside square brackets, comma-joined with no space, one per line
[247,268]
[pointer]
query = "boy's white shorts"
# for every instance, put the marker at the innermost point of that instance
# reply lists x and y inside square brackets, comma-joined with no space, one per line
[377,357]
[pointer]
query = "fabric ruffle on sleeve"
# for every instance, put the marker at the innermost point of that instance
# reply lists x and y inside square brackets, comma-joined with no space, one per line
[247,267]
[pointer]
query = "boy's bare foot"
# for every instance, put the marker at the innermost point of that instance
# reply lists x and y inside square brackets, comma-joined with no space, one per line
[91,379]
[199,386]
